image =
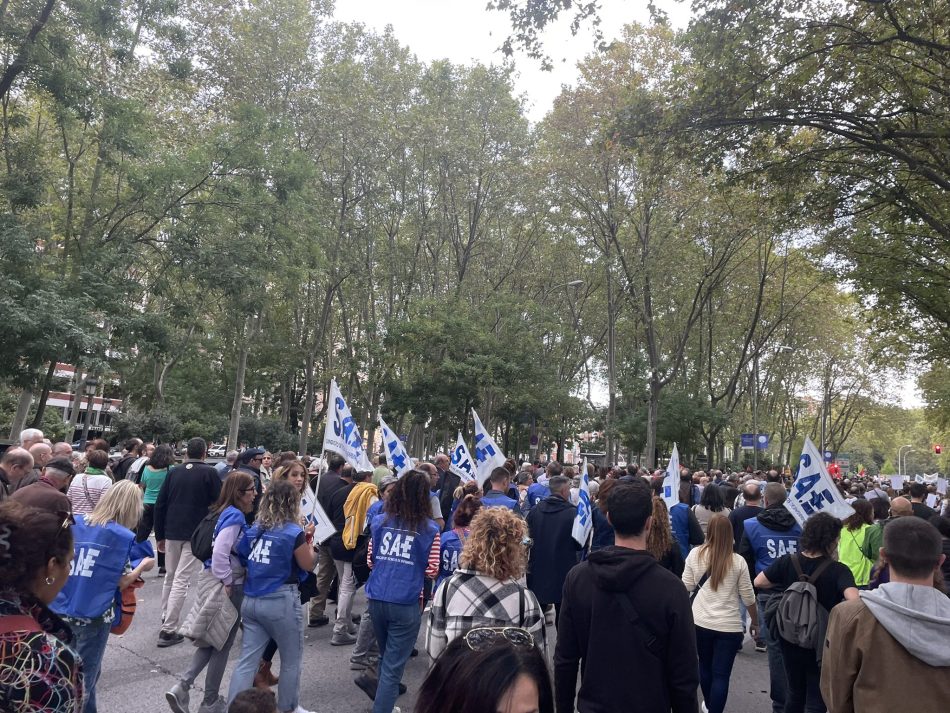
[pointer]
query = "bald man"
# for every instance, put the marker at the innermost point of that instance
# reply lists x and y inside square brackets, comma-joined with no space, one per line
[42,454]
[874,539]
[62,450]
[15,465]
[30,436]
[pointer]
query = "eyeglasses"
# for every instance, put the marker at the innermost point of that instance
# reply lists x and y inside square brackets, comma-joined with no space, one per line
[483,637]
[249,490]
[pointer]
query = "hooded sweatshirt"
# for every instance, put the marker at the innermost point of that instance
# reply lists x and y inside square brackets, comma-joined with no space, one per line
[596,631]
[766,537]
[898,632]
[554,551]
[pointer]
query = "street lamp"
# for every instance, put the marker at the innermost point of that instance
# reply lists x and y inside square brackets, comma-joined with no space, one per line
[90,386]
[900,470]
[755,402]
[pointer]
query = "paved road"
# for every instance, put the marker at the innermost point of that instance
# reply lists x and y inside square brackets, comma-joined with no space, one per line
[136,673]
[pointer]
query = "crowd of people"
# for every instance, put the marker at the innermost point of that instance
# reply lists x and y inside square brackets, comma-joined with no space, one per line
[519,617]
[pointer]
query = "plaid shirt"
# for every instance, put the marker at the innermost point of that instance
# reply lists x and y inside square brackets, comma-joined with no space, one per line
[467,600]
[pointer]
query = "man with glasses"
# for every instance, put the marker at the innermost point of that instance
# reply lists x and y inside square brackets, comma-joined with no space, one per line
[189,490]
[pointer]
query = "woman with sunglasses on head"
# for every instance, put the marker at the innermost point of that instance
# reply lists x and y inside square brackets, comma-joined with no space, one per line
[235,501]
[488,670]
[403,550]
[485,590]
[40,670]
[102,542]
[279,553]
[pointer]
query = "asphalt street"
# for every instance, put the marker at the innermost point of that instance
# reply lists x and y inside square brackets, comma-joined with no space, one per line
[136,673]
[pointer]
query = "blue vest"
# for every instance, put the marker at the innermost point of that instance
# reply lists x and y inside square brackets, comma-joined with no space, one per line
[494,499]
[450,549]
[270,558]
[229,517]
[536,493]
[769,545]
[100,554]
[400,558]
[679,521]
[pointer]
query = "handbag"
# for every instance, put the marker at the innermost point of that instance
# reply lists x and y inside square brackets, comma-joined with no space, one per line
[126,603]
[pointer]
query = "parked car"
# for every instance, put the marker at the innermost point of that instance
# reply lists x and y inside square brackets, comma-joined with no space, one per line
[217,451]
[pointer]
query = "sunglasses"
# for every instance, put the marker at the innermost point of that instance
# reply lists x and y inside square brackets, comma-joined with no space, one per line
[483,637]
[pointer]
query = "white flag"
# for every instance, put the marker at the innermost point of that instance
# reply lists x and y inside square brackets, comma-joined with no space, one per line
[671,481]
[396,455]
[314,513]
[342,435]
[462,464]
[583,520]
[813,490]
[488,455]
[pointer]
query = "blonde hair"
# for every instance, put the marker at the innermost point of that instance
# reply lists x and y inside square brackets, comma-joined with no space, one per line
[122,504]
[279,505]
[495,545]
[284,471]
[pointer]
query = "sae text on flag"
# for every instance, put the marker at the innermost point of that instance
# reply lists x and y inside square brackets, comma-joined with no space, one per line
[813,490]
[488,455]
[396,455]
[583,520]
[342,435]
[671,481]
[462,464]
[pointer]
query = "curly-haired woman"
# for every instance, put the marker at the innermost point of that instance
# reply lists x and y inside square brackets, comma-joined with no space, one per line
[660,541]
[485,591]
[40,672]
[454,540]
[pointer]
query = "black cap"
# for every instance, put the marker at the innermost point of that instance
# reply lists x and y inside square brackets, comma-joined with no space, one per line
[250,454]
[63,465]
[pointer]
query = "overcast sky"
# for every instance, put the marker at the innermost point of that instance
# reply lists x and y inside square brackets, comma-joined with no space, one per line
[463,30]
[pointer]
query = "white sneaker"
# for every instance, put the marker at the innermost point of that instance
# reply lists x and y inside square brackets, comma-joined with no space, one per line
[298,709]
[704,708]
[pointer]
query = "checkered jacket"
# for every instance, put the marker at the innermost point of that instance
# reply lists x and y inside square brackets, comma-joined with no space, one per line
[467,600]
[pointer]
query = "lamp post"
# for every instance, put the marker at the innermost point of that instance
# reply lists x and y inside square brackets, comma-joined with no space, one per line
[755,402]
[900,470]
[90,386]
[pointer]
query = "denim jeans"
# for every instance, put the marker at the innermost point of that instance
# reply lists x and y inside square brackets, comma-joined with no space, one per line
[717,652]
[90,643]
[397,627]
[212,659]
[777,681]
[277,616]
[803,675]
[344,598]
[365,639]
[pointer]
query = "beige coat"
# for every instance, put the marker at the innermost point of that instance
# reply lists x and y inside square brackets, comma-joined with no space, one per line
[213,615]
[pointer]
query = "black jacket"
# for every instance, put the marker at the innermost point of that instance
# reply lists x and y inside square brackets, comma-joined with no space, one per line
[189,490]
[554,551]
[121,468]
[448,482]
[739,516]
[620,669]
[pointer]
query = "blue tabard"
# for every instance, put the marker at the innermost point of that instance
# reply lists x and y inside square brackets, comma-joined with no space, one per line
[679,521]
[270,558]
[100,554]
[400,558]
[450,550]
[769,545]
[229,517]
[494,499]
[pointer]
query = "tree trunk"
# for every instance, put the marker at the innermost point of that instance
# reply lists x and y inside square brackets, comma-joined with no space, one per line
[653,410]
[44,395]
[238,395]
[309,399]
[77,404]
[22,411]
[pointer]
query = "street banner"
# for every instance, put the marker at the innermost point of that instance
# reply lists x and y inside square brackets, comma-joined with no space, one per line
[396,455]
[671,481]
[488,455]
[897,482]
[462,464]
[813,490]
[942,486]
[583,520]
[342,435]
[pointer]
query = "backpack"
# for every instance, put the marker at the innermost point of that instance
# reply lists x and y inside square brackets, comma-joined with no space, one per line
[202,539]
[798,616]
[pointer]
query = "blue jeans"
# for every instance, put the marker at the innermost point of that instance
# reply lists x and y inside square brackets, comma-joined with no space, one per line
[777,679]
[277,616]
[90,643]
[212,659]
[717,652]
[397,627]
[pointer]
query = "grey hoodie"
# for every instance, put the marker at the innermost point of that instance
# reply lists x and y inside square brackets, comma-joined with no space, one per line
[918,617]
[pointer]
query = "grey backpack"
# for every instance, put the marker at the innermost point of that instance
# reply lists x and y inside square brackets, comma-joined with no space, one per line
[799,617]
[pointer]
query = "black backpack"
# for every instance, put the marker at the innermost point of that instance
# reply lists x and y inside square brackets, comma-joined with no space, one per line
[202,539]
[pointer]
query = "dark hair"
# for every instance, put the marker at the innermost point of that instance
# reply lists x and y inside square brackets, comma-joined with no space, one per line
[511,466]
[284,457]
[408,499]
[553,468]
[820,533]
[361,476]
[466,681]
[942,524]
[500,475]
[382,459]
[32,537]
[236,481]
[335,462]
[751,493]
[605,488]
[133,445]
[97,459]
[912,546]
[629,505]
[97,444]
[863,515]
[524,478]
[196,448]
[918,490]
[162,457]
[712,499]
[466,510]
[881,507]
[254,700]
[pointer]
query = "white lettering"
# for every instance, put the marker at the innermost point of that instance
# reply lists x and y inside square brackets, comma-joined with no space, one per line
[385,542]
[407,547]
[84,562]
[261,552]
[777,548]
